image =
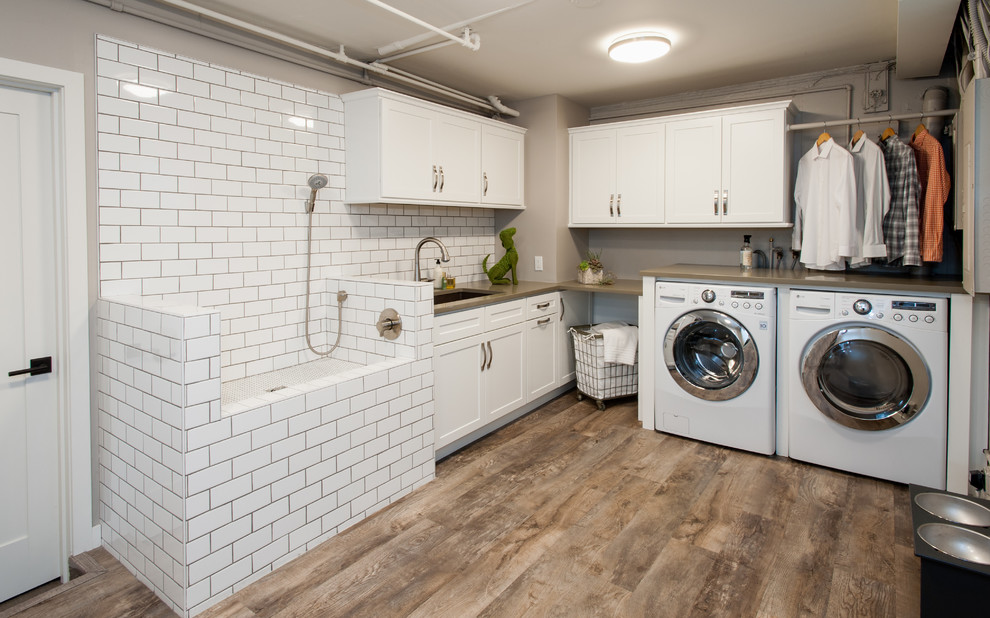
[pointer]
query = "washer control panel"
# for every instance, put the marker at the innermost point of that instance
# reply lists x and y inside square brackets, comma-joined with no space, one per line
[728,299]
[926,313]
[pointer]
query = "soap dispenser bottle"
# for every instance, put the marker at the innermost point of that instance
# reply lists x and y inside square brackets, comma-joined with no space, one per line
[746,254]
[438,276]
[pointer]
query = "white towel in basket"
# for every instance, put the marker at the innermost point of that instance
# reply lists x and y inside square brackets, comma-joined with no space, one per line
[620,341]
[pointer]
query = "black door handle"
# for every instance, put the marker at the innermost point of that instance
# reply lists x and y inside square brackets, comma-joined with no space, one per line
[38,367]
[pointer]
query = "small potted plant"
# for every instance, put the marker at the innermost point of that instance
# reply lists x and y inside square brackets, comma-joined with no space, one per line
[591,270]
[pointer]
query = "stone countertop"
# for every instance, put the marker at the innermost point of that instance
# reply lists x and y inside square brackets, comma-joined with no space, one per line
[629,287]
[806,279]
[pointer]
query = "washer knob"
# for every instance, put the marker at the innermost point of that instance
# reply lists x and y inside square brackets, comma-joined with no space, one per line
[913,318]
[898,317]
[862,306]
[930,319]
[708,296]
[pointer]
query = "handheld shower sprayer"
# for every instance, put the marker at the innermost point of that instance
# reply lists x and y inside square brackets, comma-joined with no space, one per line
[316,182]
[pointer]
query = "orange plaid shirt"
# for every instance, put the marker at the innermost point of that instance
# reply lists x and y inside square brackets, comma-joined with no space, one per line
[935,185]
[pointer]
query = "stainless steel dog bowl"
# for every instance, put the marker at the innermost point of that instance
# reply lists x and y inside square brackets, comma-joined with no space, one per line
[954,508]
[957,542]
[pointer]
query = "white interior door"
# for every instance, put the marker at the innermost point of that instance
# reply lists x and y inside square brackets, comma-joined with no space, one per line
[29,482]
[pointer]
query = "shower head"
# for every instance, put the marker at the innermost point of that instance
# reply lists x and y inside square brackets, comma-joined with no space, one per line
[316,182]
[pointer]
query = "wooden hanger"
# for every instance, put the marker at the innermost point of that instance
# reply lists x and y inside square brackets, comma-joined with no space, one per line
[919,129]
[824,137]
[888,132]
[856,136]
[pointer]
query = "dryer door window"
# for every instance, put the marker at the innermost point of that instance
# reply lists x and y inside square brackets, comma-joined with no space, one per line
[710,355]
[865,378]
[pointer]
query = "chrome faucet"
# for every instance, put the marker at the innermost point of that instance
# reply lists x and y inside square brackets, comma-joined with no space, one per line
[444,256]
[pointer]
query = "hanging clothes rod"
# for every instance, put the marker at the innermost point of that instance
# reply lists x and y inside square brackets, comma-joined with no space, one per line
[869,120]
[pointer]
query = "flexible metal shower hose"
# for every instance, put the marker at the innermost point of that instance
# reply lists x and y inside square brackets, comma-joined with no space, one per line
[341,296]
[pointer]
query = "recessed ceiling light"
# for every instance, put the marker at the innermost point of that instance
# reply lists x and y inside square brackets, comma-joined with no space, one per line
[639,47]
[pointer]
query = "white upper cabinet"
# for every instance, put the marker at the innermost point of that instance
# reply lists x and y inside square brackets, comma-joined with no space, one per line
[405,151]
[719,167]
[502,166]
[728,170]
[617,175]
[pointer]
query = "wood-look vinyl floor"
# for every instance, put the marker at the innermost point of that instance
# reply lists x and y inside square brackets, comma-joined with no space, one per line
[575,512]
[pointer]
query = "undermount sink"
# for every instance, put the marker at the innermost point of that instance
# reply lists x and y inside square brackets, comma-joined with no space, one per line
[448,296]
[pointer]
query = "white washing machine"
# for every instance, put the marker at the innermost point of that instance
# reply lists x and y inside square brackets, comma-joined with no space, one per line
[715,363]
[867,376]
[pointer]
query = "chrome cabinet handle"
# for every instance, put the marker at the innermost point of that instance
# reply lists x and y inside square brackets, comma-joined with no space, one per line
[563,308]
[483,356]
[543,305]
[441,179]
[484,190]
[725,202]
[618,205]
[716,202]
[435,178]
[611,197]
[543,322]
[490,356]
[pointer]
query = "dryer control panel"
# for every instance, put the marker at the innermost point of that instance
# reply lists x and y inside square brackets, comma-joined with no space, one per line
[926,313]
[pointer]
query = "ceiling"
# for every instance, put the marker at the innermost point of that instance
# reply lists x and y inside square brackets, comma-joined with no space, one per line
[559,46]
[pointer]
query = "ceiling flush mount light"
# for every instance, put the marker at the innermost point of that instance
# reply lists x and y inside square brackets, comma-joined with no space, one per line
[639,47]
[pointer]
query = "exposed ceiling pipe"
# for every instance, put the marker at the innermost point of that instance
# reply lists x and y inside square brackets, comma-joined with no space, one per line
[413,52]
[391,48]
[472,43]
[381,70]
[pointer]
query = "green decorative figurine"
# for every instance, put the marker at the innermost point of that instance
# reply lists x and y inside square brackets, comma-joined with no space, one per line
[496,274]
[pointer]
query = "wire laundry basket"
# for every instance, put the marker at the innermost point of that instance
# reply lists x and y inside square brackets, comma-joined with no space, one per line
[596,378]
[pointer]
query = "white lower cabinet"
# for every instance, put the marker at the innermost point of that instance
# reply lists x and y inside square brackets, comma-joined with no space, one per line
[458,391]
[492,361]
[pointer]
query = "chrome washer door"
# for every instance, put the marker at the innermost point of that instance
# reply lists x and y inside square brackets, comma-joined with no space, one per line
[710,355]
[865,378]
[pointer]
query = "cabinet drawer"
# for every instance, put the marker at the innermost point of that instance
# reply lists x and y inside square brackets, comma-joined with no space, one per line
[544,304]
[505,314]
[458,325]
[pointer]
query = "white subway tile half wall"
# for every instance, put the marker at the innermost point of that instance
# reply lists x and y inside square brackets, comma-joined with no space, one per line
[202,184]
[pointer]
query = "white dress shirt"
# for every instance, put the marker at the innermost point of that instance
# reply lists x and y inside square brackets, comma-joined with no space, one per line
[825,208]
[872,200]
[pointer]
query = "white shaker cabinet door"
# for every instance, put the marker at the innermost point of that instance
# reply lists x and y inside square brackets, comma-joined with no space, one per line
[408,167]
[502,166]
[639,175]
[753,170]
[457,153]
[459,389]
[593,177]
[505,371]
[693,175]
[541,355]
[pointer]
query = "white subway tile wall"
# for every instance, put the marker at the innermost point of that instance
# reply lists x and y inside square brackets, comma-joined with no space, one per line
[202,184]
[200,500]
[144,379]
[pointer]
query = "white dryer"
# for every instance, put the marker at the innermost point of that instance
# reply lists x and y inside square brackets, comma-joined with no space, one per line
[715,354]
[867,376]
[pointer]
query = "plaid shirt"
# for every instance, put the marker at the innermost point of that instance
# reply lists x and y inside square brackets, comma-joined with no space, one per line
[900,225]
[935,189]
